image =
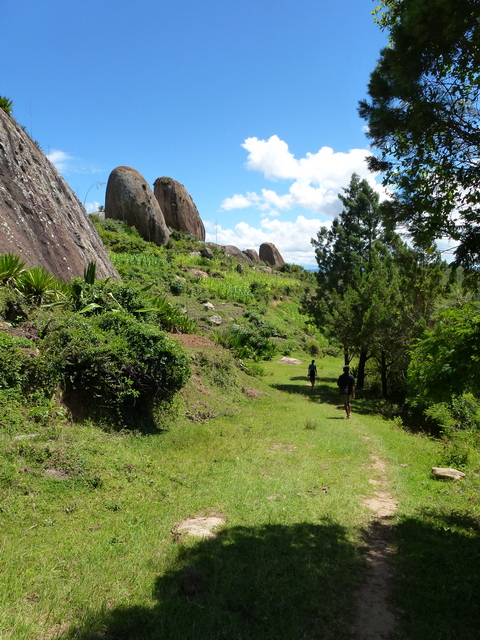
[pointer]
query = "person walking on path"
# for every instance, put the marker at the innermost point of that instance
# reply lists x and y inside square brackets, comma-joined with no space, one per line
[312,372]
[346,389]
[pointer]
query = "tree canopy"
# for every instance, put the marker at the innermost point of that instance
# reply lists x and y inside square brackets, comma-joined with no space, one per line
[423,117]
[375,294]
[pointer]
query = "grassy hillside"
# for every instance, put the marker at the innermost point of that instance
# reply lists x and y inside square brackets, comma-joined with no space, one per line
[92,514]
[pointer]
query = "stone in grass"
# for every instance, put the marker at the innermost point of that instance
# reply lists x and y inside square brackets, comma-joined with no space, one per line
[451,474]
[208,306]
[215,320]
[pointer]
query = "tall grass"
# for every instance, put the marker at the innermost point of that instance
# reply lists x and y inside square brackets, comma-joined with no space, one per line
[138,260]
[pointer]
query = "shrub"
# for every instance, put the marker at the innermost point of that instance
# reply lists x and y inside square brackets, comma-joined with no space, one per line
[218,368]
[264,327]
[260,290]
[251,368]
[119,237]
[288,346]
[313,348]
[15,361]
[177,287]
[461,414]
[112,364]
[247,342]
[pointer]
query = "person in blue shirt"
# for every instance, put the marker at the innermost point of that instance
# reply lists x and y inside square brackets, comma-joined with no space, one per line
[312,372]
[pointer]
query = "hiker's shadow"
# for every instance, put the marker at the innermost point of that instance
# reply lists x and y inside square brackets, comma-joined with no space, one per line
[251,583]
[322,392]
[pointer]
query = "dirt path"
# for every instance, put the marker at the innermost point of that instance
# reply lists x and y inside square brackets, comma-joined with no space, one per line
[375,618]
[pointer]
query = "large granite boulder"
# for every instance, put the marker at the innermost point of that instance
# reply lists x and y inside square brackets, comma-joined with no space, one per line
[178,207]
[252,255]
[41,218]
[229,250]
[130,199]
[270,254]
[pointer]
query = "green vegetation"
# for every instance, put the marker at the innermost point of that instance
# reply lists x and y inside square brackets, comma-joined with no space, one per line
[423,119]
[6,105]
[113,433]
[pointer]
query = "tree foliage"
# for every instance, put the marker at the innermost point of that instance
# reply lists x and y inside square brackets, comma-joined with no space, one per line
[375,293]
[445,362]
[343,251]
[423,117]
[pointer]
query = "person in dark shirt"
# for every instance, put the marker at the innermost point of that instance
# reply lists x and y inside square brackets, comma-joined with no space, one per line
[346,389]
[312,372]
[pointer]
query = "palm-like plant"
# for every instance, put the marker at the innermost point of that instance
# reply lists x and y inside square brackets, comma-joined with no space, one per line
[170,317]
[39,286]
[10,267]
[6,105]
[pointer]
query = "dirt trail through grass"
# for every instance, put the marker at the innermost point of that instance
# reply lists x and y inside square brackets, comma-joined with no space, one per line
[375,618]
[297,512]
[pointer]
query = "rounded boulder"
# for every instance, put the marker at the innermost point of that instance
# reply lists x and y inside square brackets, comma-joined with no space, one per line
[130,199]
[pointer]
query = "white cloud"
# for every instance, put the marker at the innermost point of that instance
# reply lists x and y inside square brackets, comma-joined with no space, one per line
[60,159]
[67,164]
[92,207]
[317,179]
[237,201]
[292,238]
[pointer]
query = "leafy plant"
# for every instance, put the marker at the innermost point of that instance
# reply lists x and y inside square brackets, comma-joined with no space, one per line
[39,286]
[6,105]
[15,360]
[169,316]
[10,267]
[113,364]
[247,342]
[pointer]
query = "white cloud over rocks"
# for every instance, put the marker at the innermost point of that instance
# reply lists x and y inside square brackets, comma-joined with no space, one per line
[292,238]
[67,164]
[92,207]
[60,159]
[317,179]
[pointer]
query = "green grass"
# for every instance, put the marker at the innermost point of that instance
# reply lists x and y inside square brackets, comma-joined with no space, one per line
[93,553]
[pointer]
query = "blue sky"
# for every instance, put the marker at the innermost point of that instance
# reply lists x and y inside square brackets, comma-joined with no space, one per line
[251,105]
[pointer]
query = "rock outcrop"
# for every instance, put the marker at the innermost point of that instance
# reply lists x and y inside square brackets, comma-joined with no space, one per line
[228,250]
[252,255]
[41,218]
[178,207]
[130,199]
[270,254]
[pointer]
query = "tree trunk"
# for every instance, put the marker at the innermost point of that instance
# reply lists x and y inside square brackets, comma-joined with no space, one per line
[361,368]
[384,375]
[346,359]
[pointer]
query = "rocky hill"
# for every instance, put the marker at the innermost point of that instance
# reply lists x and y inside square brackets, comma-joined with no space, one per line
[41,218]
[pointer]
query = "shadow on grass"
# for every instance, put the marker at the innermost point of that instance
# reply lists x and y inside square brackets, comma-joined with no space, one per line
[438,576]
[325,392]
[320,393]
[261,583]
